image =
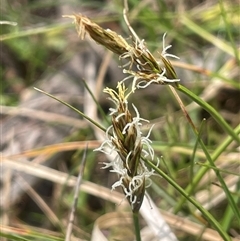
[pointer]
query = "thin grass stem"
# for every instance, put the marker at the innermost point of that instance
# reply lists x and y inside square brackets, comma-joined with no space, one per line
[136,225]
[189,189]
[96,102]
[224,46]
[73,108]
[205,213]
[229,214]
[204,148]
[218,118]
[229,32]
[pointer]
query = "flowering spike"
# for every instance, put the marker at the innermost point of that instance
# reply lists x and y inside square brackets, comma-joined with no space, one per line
[124,136]
[127,142]
[106,37]
[149,69]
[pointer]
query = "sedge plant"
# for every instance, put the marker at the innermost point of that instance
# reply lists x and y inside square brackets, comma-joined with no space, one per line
[135,158]
[134,154]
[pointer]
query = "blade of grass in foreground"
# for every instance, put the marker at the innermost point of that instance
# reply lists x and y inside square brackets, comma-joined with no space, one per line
[210,110]
[206,152]
[136,225]
[73,108]
[189,189]
[96,102]
[205,213]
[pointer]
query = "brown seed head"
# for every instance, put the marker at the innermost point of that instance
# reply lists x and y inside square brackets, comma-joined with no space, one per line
[106,37]
[137,52]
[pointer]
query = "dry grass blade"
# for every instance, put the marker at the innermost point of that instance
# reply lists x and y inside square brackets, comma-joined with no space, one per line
[9,23]
[26,230]
[62,178]
[215,195]
[43,115]
[109,221]
[192,228]
[55,148]
[40,202]
[75,200]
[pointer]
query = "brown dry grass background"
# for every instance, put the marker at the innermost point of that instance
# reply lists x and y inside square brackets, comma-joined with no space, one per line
[42,141]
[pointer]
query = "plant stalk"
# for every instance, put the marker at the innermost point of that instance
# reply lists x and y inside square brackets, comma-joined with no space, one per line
[136,225]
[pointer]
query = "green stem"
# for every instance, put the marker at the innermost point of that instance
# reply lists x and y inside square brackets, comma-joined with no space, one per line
[229,214]
[210,110]
[211,159]
[205,213]
[204,148]
[136,225]
[96,102]
[189,189]
[73,108]
[228,28]
[219,176]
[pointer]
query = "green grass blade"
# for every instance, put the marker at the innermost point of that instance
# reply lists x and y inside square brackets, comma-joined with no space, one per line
[210,110]
[136,225]
[229,32]
[229,213]
[34,31]
[96,102]
[73,108]
[185,195]
[207,36]
[189,189]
